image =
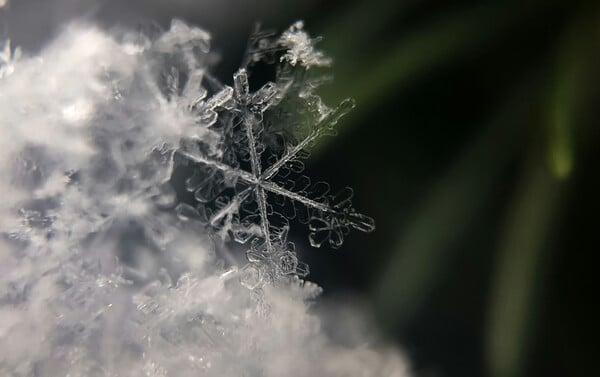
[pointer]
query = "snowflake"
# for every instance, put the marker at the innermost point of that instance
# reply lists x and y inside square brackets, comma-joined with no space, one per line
[248,190]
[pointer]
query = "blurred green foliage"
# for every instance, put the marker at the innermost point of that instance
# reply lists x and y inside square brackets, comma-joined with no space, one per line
[475,127]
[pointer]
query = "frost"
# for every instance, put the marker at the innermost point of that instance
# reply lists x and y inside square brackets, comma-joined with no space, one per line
[108,268]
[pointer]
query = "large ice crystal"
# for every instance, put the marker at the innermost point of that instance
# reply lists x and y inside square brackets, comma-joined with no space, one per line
[253,186]
[107,269]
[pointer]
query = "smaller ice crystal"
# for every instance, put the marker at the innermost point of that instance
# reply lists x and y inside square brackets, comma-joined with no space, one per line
[300,48]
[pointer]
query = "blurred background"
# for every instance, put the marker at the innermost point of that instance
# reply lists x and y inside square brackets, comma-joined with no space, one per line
[474,145]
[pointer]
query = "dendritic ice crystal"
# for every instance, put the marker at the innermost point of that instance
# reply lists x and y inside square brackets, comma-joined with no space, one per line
[254,185]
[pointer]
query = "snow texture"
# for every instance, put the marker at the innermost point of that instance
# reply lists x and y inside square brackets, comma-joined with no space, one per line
[105,270]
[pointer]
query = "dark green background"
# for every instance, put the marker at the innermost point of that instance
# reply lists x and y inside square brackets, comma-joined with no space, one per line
[474,144]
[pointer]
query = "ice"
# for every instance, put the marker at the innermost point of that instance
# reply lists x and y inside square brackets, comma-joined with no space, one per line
[220,98]
[330,220]
[300,48]
[107,268]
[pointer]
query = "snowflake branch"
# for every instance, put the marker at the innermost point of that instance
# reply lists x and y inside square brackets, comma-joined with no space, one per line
[235,203]
[242,91]
[262,206]
[327,122]
[274,188]
[242,174]
[273,169]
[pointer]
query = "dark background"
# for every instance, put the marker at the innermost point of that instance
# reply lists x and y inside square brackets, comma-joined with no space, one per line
[474,145]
